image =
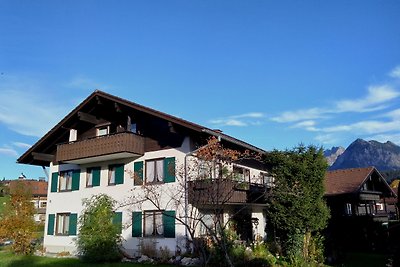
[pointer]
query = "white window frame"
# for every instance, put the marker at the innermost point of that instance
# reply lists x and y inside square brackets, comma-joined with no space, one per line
[154,171]
[89,177]
[65,181]
[153,224]
[102,130]
[62,223]
[111,175]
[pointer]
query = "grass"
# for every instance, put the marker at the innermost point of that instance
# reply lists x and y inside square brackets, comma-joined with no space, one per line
[364,260]
[8,259]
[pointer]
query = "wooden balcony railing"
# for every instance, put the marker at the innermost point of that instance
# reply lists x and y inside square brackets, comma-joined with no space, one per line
[121,143]
[224,191]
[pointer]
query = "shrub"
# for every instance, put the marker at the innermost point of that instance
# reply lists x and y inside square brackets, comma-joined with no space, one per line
[99,239]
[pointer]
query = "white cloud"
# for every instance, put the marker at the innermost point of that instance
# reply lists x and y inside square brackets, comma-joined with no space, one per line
[240,120]
[248,115]
[395,73]
[22,145]
[8,152]
[369,127]
[395,138]
[300,115]
[308,125]
[228,122]
[81,82]
[27,113]
[326,139]
[377,95]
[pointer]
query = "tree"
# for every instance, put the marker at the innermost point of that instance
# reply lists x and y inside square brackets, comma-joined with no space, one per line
[296,207]
[16,222]
[99,238]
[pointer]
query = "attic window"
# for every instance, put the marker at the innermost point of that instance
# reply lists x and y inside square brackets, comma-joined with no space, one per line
[102,129]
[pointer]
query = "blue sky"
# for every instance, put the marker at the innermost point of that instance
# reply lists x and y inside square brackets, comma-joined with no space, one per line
[272,73]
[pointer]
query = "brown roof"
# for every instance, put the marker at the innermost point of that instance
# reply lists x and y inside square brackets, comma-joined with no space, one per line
[43,144]
[346,180]
[37,188]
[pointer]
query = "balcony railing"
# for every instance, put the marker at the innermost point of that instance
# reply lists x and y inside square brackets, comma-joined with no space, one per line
[224,191]
[116,145]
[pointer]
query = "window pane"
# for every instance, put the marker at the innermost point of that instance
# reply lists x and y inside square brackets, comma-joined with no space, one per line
[59,224]
[159,224]
[89,181]
[149,223]
[111,175]
[66,224]
[150,171]
[160,170]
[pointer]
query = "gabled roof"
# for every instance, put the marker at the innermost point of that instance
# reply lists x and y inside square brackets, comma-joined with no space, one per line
[50,138]
[347,181]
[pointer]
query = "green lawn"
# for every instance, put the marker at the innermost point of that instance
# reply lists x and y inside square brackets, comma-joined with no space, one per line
[8,259]
[364,260]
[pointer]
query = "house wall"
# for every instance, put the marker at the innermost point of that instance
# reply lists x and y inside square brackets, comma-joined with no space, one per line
[71,202]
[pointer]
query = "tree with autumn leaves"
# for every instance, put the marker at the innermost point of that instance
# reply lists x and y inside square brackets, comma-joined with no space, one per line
[17,222]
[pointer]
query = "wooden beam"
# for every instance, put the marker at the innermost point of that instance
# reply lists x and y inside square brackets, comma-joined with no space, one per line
[43,156]
[88,118]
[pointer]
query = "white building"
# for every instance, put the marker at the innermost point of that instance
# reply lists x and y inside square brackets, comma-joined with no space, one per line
[113,146]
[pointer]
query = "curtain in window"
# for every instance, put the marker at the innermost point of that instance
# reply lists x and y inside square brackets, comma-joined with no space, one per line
[112,176]
[149,224]
[69,180]
[150,171]
[159,230]
[160,170]
[60,224]
[89,178]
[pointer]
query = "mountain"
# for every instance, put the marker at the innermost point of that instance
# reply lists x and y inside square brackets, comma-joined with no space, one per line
[361,153]
[332,154]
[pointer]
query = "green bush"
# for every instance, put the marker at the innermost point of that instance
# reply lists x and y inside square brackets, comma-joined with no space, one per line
[99,239]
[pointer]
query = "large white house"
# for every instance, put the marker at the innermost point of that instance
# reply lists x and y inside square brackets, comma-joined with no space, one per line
[113,146]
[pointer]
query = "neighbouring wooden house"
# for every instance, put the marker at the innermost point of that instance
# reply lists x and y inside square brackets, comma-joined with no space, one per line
[361,204]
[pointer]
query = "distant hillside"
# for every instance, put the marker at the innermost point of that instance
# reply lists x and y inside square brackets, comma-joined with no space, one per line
[361,153]
[332,154]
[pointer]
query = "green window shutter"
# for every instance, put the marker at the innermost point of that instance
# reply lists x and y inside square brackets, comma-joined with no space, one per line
[136,224]
[50,224]
[54,182]
[117,219]
[169,223]
[76,174]
[73,221]
[169,170]
[96,176]
[138,173]
[119,174]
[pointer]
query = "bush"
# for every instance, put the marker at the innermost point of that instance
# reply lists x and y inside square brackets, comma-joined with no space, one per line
[99,239]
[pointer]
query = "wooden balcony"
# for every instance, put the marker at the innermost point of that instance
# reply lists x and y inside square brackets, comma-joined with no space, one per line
[109,147]
[224,191]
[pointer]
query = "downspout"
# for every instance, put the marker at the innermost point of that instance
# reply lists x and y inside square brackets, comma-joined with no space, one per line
[45,172]
[191,153]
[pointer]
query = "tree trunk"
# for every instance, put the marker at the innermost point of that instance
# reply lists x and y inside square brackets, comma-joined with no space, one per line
[306,244]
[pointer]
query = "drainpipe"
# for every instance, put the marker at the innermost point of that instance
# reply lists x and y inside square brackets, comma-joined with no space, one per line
[189,154]
[45,172]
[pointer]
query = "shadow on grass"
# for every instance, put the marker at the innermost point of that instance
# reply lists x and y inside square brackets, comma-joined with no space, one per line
[364,260]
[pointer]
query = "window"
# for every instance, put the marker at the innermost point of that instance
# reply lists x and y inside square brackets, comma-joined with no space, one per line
[92,176]
[155,171]
[62,226]
[348,209]
[153,223]
[65,181]
[115,174]
[211,219]
[241,174]
[103,130]
[43,204]
[89,178]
